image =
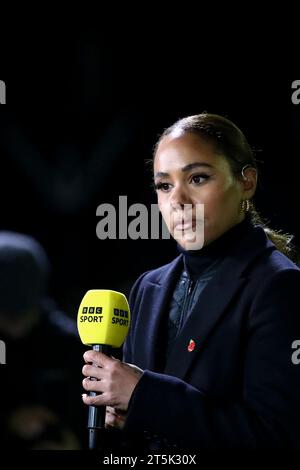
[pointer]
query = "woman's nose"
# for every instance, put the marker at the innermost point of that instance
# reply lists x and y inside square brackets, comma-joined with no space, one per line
[180,197]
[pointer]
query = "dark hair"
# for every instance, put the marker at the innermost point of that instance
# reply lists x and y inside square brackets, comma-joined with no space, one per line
[230,141]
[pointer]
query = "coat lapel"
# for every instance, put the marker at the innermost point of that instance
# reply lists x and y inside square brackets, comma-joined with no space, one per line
[154,304]
[208,310]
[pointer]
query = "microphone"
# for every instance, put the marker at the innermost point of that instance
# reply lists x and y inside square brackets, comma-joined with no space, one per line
[103,321]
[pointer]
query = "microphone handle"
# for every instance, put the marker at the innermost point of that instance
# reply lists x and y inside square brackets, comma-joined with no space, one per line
[96,416]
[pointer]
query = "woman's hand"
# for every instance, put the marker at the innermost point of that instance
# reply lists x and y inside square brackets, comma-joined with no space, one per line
[115,382]
[115,418]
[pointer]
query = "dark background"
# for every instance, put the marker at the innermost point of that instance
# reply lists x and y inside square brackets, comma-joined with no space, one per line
[82,115]
[84,110]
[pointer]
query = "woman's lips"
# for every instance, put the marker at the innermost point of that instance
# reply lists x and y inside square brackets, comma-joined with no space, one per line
[185,225]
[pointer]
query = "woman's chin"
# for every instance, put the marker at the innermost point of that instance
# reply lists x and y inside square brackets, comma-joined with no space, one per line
[190,241]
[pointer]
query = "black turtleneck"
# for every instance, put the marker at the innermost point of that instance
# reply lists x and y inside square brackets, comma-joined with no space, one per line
[196,261]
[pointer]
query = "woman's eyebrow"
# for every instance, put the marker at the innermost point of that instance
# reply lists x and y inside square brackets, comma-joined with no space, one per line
[189,167]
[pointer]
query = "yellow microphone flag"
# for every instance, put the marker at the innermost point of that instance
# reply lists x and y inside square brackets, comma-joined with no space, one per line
[103,318]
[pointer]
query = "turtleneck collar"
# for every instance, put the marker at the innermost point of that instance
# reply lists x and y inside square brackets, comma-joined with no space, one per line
[196,261]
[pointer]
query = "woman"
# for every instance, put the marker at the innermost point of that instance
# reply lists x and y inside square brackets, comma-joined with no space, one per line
[212,331]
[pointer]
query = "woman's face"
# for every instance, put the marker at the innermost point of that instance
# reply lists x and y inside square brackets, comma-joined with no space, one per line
[188,172]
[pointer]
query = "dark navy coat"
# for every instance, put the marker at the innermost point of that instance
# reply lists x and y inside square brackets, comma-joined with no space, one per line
[237,387]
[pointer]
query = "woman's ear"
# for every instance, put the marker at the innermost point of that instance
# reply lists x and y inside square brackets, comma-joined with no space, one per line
[249,182]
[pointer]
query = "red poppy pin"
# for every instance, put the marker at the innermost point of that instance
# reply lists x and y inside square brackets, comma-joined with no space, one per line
[191,345]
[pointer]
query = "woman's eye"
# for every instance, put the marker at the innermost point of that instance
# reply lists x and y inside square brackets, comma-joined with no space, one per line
[198,179]
[162,186]
[195,179]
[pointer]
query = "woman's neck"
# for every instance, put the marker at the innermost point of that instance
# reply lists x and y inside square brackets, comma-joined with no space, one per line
[196,261]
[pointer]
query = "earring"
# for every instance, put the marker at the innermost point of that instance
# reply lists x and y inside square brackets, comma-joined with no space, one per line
[245,205]
[243,169]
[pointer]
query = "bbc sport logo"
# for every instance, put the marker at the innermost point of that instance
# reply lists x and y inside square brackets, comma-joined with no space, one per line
[2,92]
